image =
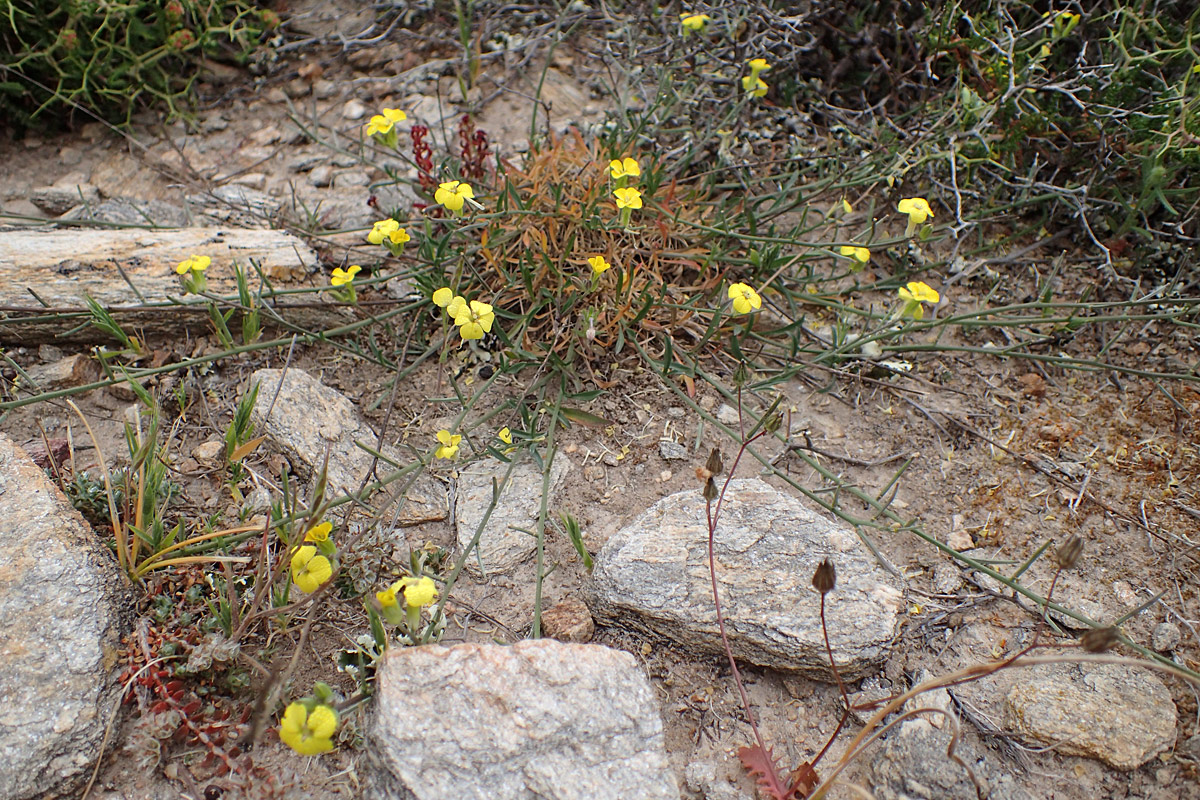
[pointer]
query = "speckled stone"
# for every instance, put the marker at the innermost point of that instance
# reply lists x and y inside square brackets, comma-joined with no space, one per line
[61,597]
[538,719]
[653,575]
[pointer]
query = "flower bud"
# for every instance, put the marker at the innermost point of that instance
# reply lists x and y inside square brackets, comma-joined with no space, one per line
[740,375]
[710,490]
[825,578]
[773,421]
[1068,552]
[1099,640]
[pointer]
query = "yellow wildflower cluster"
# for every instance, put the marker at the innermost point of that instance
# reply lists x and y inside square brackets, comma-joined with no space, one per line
[625,171]
[388,233]
[473,318]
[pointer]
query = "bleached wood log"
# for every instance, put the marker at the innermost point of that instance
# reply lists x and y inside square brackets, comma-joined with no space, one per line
[44,276]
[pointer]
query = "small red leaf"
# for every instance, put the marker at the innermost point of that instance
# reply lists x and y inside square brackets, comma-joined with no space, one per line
[761,765]
[803,780]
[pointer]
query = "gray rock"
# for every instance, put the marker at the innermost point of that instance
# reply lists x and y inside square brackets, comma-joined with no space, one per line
[727,414]
[305,163]
[503,545]
[654,575]
[912,764]
[569,620]
[253,180]
[55,200]
[672,451]
[308,417]
[74,370]
[1166,637]
[321,176]
[60,598]
[701,777]
[1120,715]
[947,579]
[354,109]
[538,719]
[427,500]
[351,180]
[123,211]
[245,198]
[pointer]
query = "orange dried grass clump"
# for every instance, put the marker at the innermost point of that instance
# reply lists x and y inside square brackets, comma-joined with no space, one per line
[560,212]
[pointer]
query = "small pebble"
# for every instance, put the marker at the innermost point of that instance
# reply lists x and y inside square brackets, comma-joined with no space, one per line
[672,451]
[1166,637]
[354,110]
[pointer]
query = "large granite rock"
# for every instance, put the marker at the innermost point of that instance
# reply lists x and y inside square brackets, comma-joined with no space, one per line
[61,596]
[1121,715]
[307,416]
[653,575]
[505,541]
[538,719]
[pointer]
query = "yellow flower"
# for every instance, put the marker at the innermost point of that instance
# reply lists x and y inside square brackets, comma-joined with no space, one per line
[449,444]
[382,123]
[920,292]
[442,297]
[399,237]
[453,194]
[386,598]
[628,198]
[694,22]
[341,276]
[193,264]
[505,435]
[319,533]
[859,253]
[754,85]
[745,299]
[310,570]
[474,319]
[621,168]
[382,230]
[308,732]
[913,295]
[917,208]
[418,592]
[599,265]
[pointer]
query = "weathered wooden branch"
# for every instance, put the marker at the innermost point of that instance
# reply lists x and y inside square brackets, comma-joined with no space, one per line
[44,276]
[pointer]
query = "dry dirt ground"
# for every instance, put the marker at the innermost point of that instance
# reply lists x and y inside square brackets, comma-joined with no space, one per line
[1005,453]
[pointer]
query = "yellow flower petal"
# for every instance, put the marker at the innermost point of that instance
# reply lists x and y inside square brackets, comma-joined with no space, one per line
[319,533]
[628,197]
[745,299]
[193,264]
[382,230]
[861,254]
[418,592]
[442,297]
[341,276]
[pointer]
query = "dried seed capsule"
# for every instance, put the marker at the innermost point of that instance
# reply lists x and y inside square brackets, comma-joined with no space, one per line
[710,490]
[1068,552]
[825,578]
[772,423]
[714,465]
[1099,640]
